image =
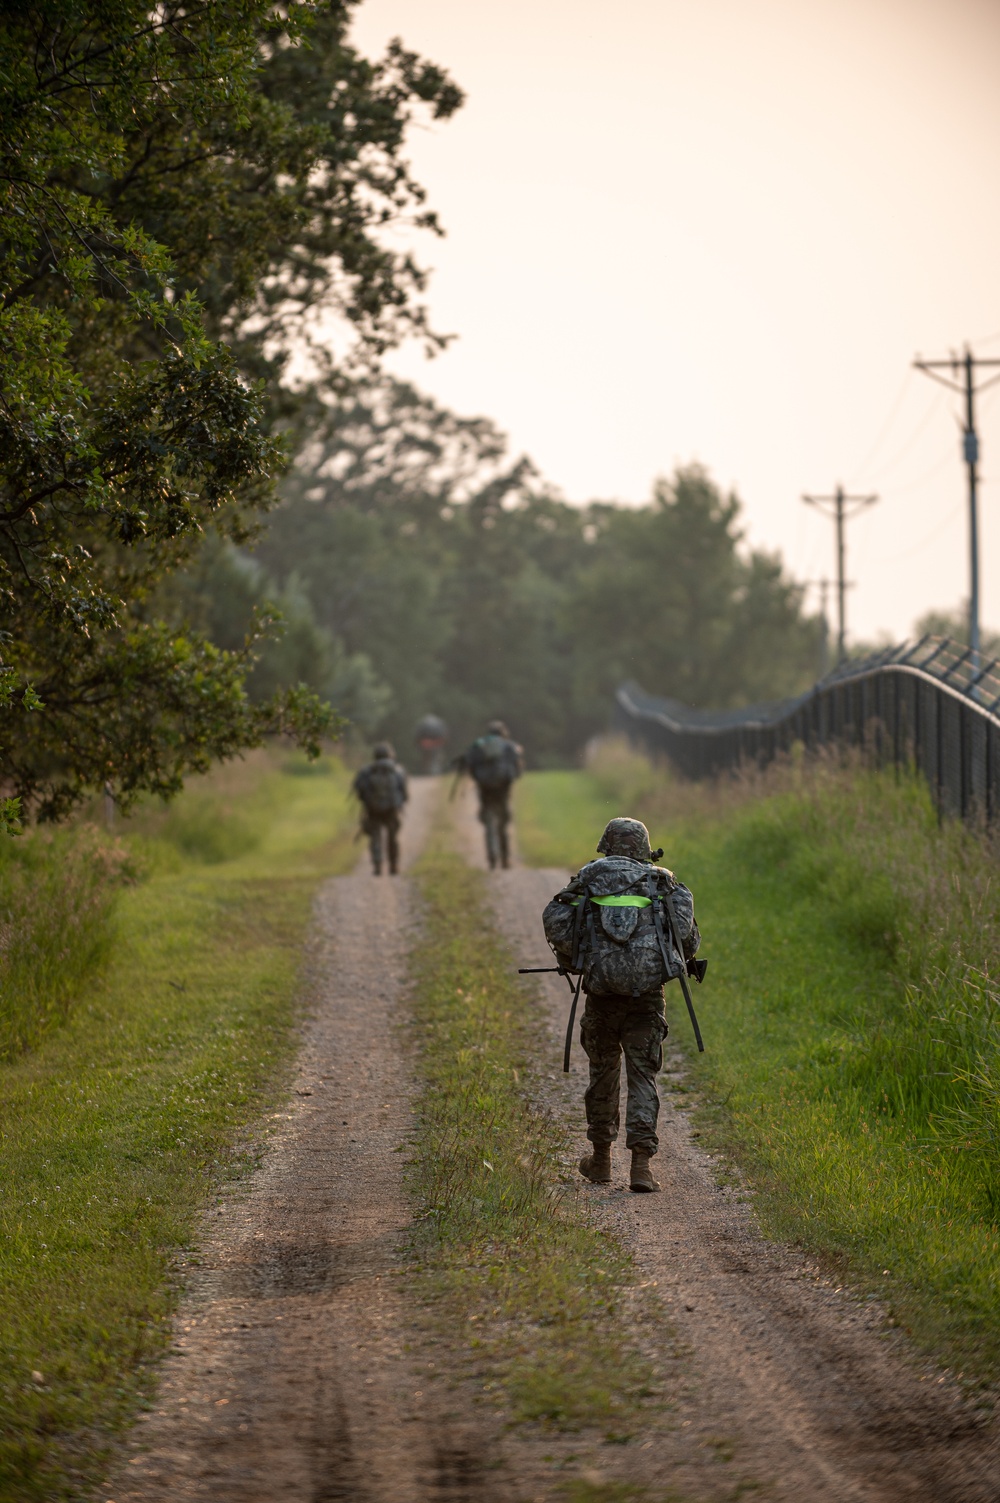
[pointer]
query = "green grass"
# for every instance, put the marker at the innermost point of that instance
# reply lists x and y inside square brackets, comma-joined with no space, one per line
[57,898]
[146,1102]
[579,1490]
[560,816]
[523,1271]
[851,1027]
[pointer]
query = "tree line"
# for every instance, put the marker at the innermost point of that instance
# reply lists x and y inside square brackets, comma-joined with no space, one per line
[202,544]
[419,569]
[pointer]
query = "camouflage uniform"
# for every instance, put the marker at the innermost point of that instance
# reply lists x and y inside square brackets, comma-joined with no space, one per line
[382,788]
[431,736]
[629,1021]
[494,761]
[609,1028]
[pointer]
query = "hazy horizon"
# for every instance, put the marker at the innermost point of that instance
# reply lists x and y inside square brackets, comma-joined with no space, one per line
[721,234]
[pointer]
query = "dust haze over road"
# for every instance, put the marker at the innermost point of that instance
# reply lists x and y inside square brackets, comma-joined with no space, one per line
[299,1373]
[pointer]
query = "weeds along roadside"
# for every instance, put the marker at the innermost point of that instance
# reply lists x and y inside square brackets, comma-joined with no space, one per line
[501,1248]
[57,899]
[149,1099]
[850,1013]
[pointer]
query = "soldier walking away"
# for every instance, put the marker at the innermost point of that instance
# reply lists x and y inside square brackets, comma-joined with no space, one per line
[431,736]
[494,761]
[615,923]
[381,787]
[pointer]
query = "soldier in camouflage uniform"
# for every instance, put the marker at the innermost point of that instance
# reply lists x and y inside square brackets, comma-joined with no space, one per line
[611,923]
[494,762]
[381,787]
[431,737]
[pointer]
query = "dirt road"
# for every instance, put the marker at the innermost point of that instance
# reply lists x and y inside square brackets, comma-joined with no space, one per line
[298,1375]
[290,1378]
[786,1381]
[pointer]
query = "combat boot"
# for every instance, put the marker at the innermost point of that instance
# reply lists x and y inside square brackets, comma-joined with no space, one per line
[596,1165]
[641,1177]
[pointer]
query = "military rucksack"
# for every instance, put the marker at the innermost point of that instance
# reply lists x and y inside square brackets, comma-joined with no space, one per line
[616,929]
[381,787]
[493,762]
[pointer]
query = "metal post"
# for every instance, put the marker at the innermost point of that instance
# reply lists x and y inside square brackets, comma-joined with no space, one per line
[970,449]
[939,779]
[841,577]
[970,452]
[988,790]
[839,502]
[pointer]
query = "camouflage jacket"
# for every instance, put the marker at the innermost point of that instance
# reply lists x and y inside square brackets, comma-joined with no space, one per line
[493,761]
[616,921]
[381,786]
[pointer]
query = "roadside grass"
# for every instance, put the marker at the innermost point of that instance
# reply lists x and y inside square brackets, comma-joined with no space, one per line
[533,1279]
[851,1019]
[57,899]
[579,1490]
[559,817]
[147,1102]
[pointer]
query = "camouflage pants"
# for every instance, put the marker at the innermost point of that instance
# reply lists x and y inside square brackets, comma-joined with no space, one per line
[494,815]
[609,1028]
[373,825]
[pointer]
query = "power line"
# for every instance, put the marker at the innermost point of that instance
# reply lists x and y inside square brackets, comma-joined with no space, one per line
[883,432]
[839,502]
[923,477]
[963,380]
[901,451]
[895,558]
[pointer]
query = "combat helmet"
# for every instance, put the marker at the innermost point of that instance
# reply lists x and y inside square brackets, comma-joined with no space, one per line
[384,751]
[626,837]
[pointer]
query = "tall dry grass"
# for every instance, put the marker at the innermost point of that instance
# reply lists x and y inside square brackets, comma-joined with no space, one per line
[57,894]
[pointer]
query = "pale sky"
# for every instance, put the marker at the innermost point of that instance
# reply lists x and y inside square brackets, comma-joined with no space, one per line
[721,230]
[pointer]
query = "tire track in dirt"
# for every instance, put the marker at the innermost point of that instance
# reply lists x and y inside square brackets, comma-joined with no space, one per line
[290,1377]
[298,1373]
[776,1377]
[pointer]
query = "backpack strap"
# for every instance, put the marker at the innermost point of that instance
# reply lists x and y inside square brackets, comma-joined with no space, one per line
[658,925]
[583,905]
[590,925]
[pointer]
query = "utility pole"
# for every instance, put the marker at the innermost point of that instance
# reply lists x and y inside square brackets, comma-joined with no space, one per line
[839,502]
[963,380]
[823,586]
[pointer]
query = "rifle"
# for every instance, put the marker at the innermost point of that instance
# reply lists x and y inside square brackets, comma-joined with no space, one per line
[698,971]
[559,970]
[695,968]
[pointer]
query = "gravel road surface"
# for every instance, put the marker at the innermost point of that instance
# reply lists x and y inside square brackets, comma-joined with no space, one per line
[297,1374]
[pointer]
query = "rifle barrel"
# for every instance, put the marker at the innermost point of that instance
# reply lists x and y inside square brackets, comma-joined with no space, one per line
[569,1025]
[682,978]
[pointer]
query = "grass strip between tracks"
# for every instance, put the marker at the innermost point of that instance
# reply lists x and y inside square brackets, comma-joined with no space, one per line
[150,1099]
[850,1021]
[503,1248]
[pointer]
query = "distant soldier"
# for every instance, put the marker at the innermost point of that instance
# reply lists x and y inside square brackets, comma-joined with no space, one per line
[381,787]
[432,733]
[494,761]
[616,922]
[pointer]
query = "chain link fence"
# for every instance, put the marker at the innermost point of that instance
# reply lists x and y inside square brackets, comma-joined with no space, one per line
[929,704]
